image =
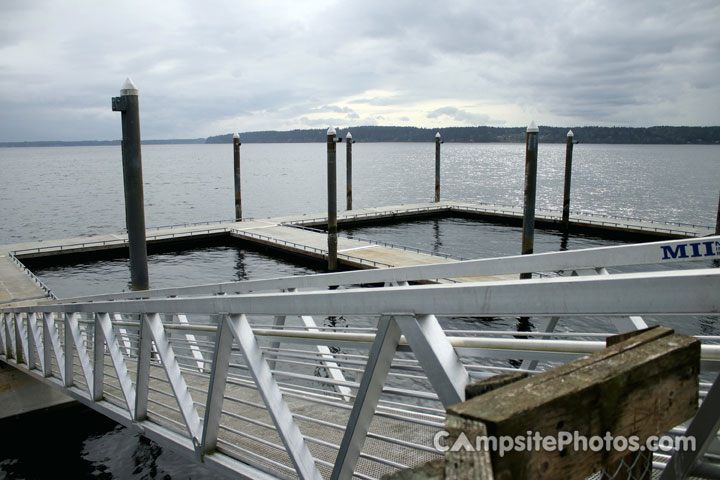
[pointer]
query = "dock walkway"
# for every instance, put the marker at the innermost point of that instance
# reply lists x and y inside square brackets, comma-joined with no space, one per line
[543,218]
[19,286]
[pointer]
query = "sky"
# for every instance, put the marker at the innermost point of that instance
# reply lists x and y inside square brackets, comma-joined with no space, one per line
[212,67]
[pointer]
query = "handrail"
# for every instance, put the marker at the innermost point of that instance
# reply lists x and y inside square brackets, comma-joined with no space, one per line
[117,242]
[640,225]
[507,209]
[583,213]
[677,291]
[371,214]
[591,258]
[193,224]
[34,277]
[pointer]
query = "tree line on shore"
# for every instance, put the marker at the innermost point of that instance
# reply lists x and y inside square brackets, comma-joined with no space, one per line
[605,135]
[616,135]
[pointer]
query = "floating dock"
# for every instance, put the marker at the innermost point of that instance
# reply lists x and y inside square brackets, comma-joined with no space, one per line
[19,286]
[286,378]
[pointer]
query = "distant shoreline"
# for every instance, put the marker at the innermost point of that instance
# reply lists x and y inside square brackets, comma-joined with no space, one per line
[660,135]
[98,143]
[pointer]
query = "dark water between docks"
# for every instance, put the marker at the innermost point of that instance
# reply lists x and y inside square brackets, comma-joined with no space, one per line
[64,192]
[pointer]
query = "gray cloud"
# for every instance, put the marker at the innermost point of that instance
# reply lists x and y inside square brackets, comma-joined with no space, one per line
[334,108]
[217,66]
[462,116]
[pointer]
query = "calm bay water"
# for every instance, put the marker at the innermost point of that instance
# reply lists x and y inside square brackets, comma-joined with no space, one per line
[52,193]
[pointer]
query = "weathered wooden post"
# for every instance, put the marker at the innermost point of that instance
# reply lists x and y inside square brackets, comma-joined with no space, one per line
[588,415]
[127,104]
[348,171]
[717,222]
[528,232]
[236,162]
[332,200]
[568,178]
[437,166]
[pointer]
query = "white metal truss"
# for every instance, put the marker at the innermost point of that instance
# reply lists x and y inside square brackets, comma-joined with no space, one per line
[622,324]
[74,337]
[236,329]
[4,346]
[105,329]
[439,360]
[152,330]
[656,293]
[192,343]
[376,371]
[703,428]
[35,345]
[32,338]
[328,359]
[21,340]
[126,343]
[51,346]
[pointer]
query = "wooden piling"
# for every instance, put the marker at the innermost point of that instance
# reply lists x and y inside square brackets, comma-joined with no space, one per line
[127,103]
[717,222]
[332,200]
[348,172]
[528,232]
[437,166]
[568,177]
[236,165]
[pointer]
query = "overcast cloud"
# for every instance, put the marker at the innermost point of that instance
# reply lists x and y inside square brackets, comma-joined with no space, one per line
[211,67]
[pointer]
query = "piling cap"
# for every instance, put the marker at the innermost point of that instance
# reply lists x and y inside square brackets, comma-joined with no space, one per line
[570,133]
[236,135]
[437,135]
[331,131]
[532,128]
[348,136]
[128,87]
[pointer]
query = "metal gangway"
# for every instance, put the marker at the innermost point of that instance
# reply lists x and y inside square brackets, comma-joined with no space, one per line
[348,374]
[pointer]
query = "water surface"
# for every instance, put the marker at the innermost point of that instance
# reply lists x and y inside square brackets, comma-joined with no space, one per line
[52,193]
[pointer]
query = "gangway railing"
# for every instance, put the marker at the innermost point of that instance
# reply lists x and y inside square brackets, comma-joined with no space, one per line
[653,254]
[220,378]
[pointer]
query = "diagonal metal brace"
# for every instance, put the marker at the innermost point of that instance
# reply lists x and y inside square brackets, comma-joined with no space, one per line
[175,378]
[437,357]
[376,371]
[288,430]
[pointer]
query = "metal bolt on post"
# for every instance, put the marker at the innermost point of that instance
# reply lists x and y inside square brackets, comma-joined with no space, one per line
[127,103]
[348,171]
[332,199]
[528,232]
[236,164]
[568,178]
[437,166]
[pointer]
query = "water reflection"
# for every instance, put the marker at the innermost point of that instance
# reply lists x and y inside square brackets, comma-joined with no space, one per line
[437,245]
[240,268]
[564,241]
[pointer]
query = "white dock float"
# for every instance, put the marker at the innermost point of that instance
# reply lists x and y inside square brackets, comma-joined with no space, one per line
[18,285]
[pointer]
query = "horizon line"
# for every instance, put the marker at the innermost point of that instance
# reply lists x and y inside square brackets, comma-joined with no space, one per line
[323,129]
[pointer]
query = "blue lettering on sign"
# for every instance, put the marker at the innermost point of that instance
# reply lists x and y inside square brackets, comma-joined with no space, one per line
[697,249]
